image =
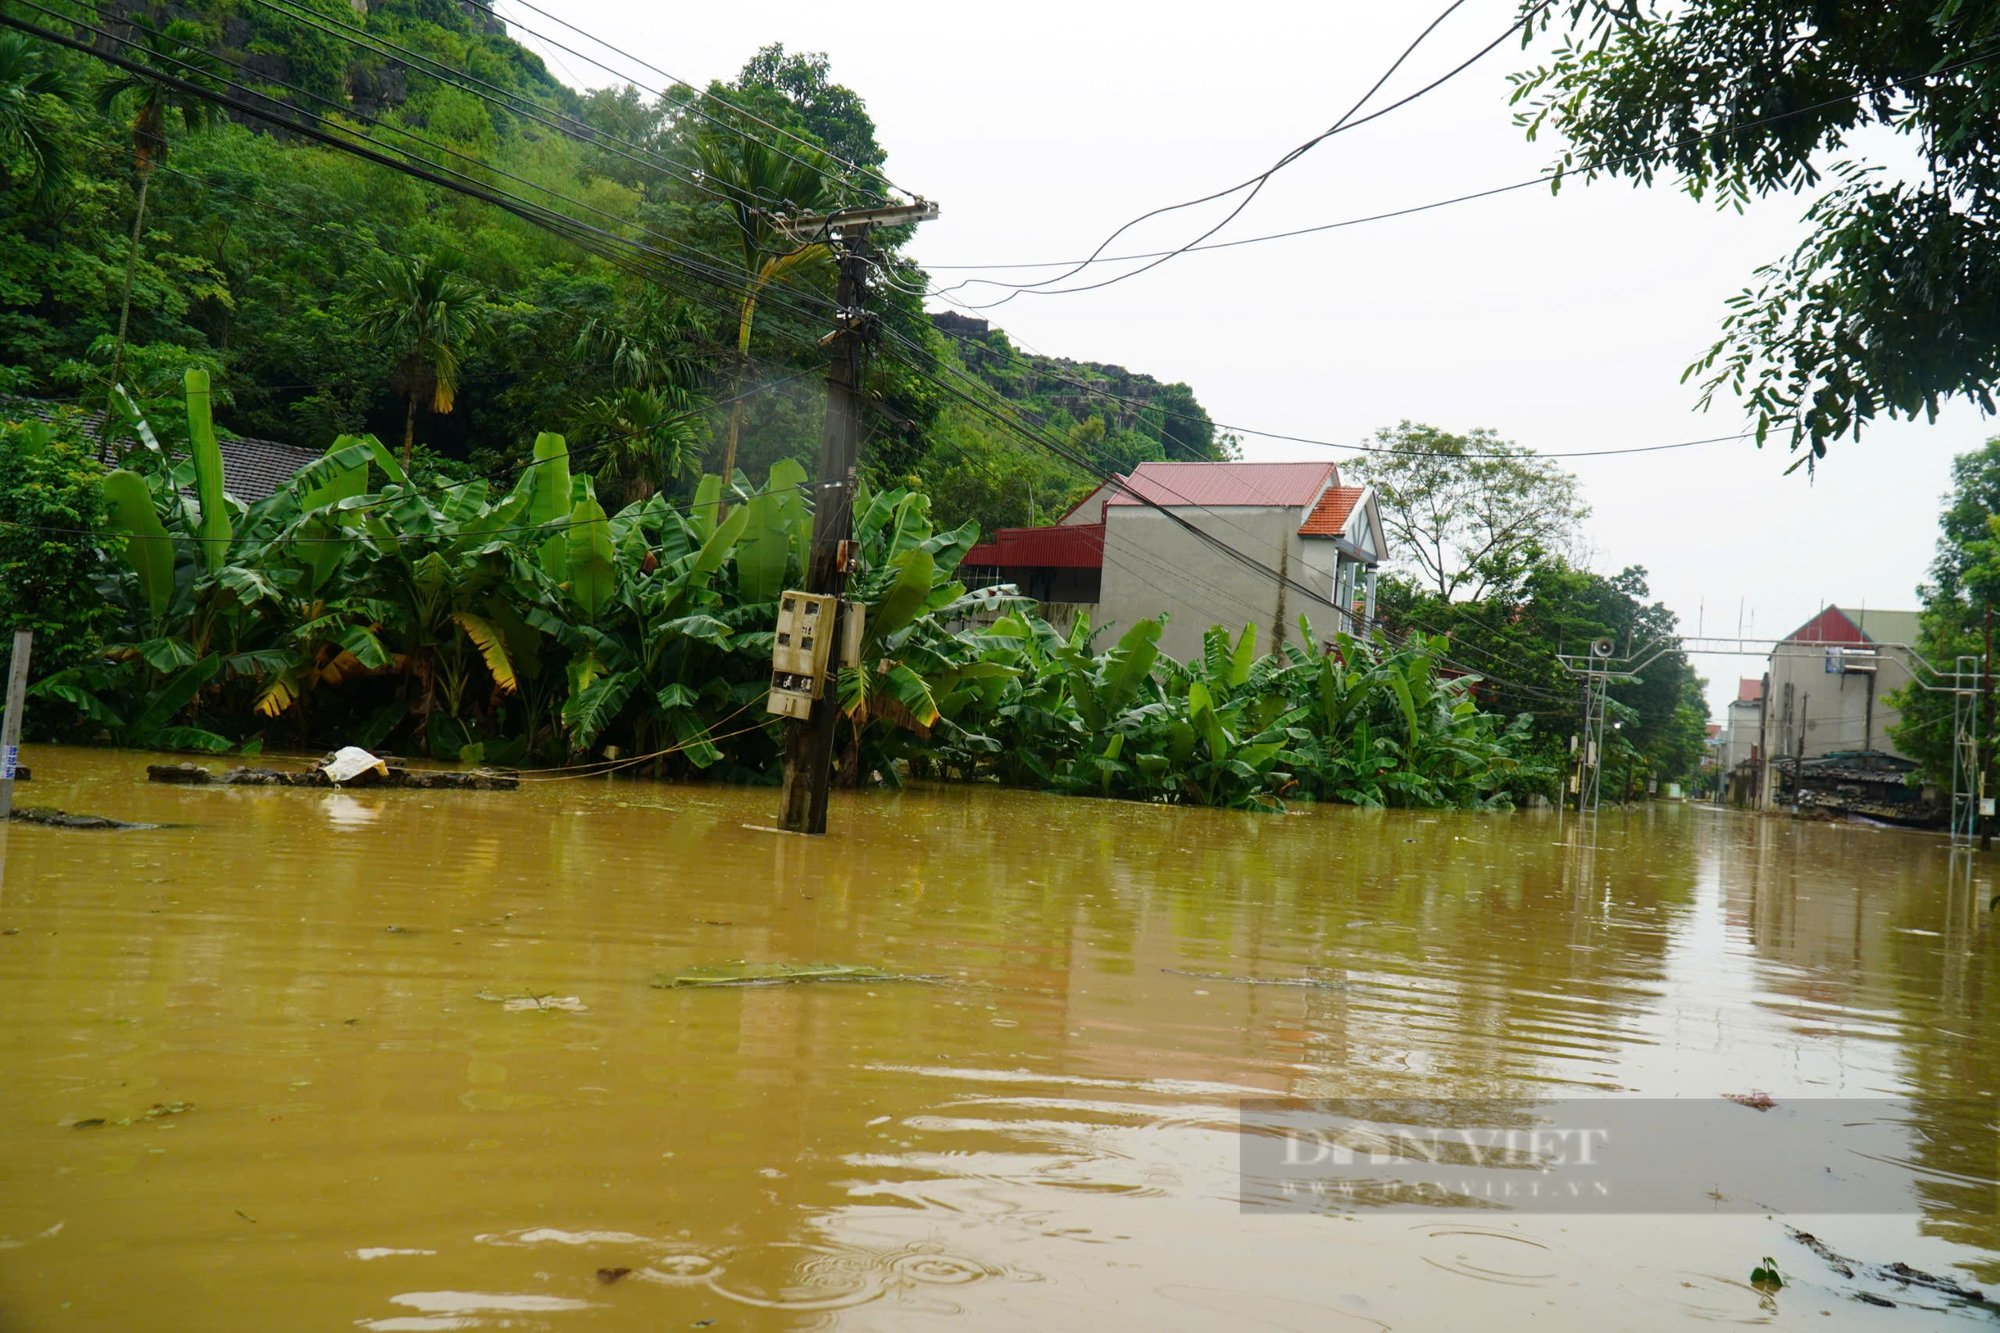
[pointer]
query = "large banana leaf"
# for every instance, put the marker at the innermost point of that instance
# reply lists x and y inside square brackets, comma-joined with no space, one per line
[492,646]
[786,478]
[213,529]
[593,563]
[549,500]
[1127,666]
[147,547]
[916,576]
[703,514]
[172,697]
[764,556]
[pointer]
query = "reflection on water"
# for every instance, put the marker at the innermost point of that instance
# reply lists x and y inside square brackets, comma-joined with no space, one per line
[1046,1141]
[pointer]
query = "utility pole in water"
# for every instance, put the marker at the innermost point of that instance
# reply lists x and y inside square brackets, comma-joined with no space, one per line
[10,721]
[1986,724]
[809,740]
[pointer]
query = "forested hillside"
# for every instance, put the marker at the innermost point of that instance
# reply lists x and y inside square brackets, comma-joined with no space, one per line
[326,293]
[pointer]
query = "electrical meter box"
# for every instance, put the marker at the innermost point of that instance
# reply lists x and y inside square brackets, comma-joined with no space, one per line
[800,652]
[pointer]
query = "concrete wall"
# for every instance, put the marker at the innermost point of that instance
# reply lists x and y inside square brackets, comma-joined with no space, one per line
[1739,734]
[1152,564]
[1832,711]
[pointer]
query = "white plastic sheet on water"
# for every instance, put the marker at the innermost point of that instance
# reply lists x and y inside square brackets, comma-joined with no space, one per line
[350,762]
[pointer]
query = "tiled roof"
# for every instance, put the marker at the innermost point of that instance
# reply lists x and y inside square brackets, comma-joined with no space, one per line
[251,469]
[1329,517]
[1749,689]
[1077,546]
[1174,485]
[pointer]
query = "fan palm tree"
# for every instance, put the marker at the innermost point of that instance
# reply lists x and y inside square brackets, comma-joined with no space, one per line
[29,134]
[640,440]
[428,312]
[177,51]
[757,179]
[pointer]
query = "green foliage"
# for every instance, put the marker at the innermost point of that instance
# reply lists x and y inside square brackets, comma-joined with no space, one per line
[1363,722]
[51,512]
[1518,632]
[354,606]
[1964,583]
[1469,514]
[1114,417]
[1887,305]
[33,88]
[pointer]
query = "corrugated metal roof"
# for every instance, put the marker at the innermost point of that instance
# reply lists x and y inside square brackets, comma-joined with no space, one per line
[1075,546]
[1226,484]
[1839,624]
[1329,517]
[251,469]
[1885,626]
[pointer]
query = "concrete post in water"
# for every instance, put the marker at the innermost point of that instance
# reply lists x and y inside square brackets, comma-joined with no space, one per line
[10,722]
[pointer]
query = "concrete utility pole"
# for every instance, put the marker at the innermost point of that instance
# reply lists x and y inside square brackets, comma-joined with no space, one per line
[1986,724]
[10,722]
[809,741]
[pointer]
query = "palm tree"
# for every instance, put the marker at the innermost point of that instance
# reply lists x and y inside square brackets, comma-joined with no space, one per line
[177,51]
[640,440]
[28,133]
[758,178]
[426,310]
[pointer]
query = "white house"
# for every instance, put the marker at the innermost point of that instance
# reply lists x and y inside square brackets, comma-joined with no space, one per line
[1228,544]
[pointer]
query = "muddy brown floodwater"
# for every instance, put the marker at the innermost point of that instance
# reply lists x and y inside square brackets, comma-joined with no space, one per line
[316,1060]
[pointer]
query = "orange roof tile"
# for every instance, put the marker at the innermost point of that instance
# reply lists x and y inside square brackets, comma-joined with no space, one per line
[1329,517]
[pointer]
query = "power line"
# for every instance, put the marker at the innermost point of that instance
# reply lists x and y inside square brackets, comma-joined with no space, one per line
[1555,174]
[1383,450]
[596,240]
[485,90]
[1040,437]
[1255,184]
[820,149]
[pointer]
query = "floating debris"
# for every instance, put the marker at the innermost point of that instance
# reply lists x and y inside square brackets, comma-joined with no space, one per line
[555,1004]
[391,775]
[1756,1101]
[34,814]
[1310,983]
[781,974]
[610,1275]
[1899,1273]
[157,1111]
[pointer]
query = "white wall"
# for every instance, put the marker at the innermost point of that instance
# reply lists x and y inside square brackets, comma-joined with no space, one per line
[1831,710]
[1153,565]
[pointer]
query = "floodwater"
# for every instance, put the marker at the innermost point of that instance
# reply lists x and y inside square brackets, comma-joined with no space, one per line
[393,1061]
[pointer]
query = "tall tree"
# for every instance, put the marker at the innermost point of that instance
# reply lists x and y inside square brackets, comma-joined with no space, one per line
[796,87]
[32,144]
[426,311]
[177,50]
[639,441]
[1891,303]
[1964,585]
[1469,513]
[759,178]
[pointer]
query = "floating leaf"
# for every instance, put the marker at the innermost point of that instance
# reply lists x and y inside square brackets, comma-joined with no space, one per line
[779,974]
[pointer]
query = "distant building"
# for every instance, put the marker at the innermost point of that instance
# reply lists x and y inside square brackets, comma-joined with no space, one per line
[1739,752]
[252,469]
[1826,715]
[1150,543]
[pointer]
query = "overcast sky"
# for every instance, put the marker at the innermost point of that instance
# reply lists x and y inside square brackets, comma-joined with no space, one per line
[1563,323]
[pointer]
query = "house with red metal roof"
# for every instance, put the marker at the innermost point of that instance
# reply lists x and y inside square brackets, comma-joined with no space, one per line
[1229,544]
[1825,700]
